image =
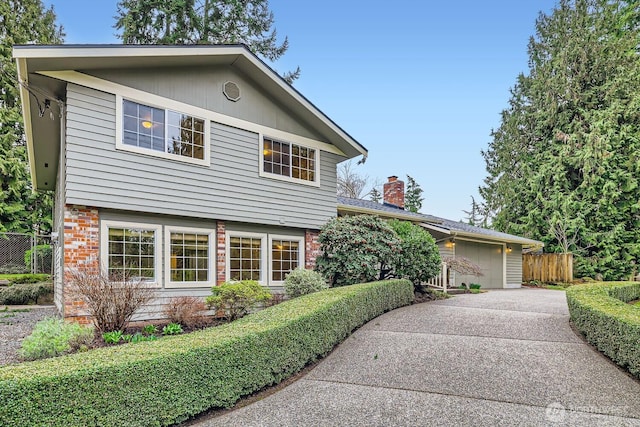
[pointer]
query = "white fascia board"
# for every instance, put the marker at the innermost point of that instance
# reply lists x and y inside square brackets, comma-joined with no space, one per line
[435,228]
[26,117]
[97,51]
[138,95]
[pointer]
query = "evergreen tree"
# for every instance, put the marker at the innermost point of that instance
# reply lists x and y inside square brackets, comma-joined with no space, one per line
[203,22]
[413,196]
[21,210]
[564,165]
[476,215]
[375,195]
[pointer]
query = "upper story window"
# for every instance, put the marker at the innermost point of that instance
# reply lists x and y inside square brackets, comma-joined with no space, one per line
[289,160]
[163,132]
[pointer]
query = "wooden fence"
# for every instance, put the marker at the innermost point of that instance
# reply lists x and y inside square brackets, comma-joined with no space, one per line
[547,267]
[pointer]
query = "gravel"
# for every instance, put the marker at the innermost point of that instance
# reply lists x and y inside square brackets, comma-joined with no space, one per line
[15,325]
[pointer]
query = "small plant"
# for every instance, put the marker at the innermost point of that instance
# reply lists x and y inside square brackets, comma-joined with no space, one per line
[172,329]
[235,299]
[463,266]
[112,337]
[111,301]
[187,311]
[53,337]
[301,282]
[127,337]
[138,337]
[150,330]
[474,286]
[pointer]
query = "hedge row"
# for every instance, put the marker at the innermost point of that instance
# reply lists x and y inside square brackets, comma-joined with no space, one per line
[167,381]
[601,313]
[27,293]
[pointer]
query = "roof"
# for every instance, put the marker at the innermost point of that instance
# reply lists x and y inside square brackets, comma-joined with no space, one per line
[442,225]
[38,63]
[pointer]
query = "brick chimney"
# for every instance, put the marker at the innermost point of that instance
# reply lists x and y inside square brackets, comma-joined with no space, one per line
[394,192]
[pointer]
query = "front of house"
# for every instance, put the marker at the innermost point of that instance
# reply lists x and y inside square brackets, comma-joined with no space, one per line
[499,255]
[188,166]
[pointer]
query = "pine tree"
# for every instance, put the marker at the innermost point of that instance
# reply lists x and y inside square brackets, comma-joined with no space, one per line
[21,210]
[476,215]
[203,22]
[413,196]
[375,195]
[564,165]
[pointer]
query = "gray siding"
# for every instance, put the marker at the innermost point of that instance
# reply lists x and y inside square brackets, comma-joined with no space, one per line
[229,189]
[203,87]
[514,266]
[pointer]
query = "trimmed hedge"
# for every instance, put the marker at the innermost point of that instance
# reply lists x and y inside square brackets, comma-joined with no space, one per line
[27,293]
[601,313]
[168,381]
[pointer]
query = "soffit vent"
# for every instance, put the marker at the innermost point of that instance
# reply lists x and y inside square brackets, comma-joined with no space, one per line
[232,91]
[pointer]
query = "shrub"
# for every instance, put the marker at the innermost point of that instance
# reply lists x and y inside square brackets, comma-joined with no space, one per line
[12,268]
[420,258]
[52,337]
[301,282]
[235,299]
[30,278]
[187,311]
[111,301]
[601,313]
[24,293]
[43,257]
[463,266]
[167,381]
[356,249]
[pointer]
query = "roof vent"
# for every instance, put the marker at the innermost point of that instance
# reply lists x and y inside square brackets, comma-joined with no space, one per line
[231,91]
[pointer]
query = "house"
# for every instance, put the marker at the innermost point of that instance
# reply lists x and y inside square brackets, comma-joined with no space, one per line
[187,165]
[499,255]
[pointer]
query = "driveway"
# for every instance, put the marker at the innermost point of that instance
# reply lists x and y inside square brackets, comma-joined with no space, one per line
[502,358]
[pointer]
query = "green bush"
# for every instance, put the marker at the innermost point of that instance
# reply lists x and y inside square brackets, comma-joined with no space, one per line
[43,253]
[357,249]
[24,293]
[601,313]
[302,282]
[52,337]
[420,258]
[167,381]
[235,299]
[30,278]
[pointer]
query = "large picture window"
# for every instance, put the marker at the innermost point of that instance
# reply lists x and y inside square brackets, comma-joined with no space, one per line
[130,250]
[289,160]
[189,257]
[159,130]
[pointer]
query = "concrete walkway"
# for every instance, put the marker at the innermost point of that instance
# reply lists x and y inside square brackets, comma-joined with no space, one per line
[502,358]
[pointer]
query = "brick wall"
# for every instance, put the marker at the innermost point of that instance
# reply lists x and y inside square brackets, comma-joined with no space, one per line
[221,255]
[81,251]
[312,248]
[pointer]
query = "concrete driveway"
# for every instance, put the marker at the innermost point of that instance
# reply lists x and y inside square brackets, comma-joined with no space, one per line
[502,358]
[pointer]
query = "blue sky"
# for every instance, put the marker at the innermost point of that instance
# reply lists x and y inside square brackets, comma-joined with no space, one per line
[421,84]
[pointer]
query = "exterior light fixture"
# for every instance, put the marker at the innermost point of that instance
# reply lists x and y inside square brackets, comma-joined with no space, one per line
[146,124]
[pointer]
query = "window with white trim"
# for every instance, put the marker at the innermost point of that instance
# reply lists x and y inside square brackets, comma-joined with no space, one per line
[189,257]
[130,250]
[289,160]
[266,258]
[245,256]
[164,131]
[286,255]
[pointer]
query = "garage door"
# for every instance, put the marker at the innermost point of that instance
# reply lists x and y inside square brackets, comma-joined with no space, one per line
[488,257]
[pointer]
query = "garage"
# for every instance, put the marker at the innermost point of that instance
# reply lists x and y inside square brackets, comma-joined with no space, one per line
[489,257]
